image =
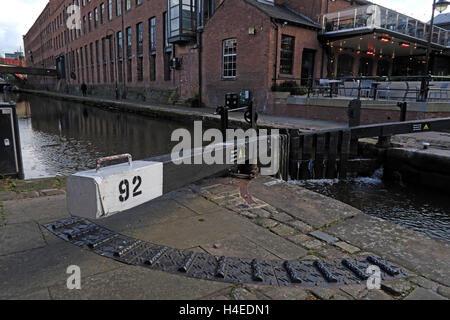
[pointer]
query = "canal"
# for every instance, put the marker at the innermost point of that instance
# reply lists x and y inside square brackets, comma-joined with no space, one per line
[60,138]
[420,209]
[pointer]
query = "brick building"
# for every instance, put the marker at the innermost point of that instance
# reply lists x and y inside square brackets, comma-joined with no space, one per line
[164,50]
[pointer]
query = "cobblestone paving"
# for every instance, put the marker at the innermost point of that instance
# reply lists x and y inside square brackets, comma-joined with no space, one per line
[228,194]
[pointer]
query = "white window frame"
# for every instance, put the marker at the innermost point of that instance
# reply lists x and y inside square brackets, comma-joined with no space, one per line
[229,55]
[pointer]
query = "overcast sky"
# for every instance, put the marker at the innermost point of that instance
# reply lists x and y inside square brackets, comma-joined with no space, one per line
[17,16]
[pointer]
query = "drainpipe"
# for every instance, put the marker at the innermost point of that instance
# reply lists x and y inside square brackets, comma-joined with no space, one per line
[124,57]
[200,11]
[275,65]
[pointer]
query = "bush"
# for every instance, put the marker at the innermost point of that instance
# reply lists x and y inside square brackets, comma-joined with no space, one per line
[290,86]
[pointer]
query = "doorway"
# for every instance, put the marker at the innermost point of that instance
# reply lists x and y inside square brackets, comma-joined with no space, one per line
[308,61]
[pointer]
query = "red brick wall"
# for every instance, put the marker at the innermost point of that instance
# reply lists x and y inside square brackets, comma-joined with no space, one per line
[338,114]
[253,70]
[185,79]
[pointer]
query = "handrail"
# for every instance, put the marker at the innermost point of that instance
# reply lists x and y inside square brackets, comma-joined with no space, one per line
[375,16]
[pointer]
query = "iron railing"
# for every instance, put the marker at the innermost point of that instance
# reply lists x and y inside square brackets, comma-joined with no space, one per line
[378,17]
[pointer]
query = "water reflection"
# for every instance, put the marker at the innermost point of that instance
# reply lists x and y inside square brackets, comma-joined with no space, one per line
[60,138]
[415,208]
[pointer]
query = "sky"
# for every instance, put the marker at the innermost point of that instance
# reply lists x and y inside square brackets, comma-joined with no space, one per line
[17,16]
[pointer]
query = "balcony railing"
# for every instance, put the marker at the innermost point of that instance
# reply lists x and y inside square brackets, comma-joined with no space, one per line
[378,17]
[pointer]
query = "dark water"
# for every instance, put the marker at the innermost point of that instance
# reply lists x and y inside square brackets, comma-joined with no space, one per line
[60,138]
[419,209]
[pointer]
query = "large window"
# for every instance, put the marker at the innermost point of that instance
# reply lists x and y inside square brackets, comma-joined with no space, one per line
[128,5]
[287,54]
[90,21]
[96,17]
[119,7]
[152,33]
[110,9]
[229,58]
[182,20]
[102,13]
[129,56]
[139,39]
[129,43]
[139,51]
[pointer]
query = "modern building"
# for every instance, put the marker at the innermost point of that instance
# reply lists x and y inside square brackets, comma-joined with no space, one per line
[210,47]
[15,56]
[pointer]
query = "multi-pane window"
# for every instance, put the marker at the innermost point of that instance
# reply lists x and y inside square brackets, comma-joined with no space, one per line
[152,34]
[129,56]
[128,31]
[91,49]
[90,21]
[229,58]
[96,17]
[119,44]
[128,5]
[102,13]
[287,54]
[139,51]
[97,59]
[119,7]
[138,2]
[87,62]
[104,60]
[119,54]
[111,57]
[110,9]
[139,39]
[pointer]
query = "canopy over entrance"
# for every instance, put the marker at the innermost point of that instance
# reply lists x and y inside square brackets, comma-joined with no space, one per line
[375,41]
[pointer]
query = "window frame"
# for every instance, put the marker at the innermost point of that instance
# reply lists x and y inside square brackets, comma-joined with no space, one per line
[225,55]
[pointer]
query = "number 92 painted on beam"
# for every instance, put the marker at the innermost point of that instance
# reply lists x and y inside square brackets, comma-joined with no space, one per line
[98,194]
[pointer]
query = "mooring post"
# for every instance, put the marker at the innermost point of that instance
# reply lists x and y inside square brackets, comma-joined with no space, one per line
[403,108]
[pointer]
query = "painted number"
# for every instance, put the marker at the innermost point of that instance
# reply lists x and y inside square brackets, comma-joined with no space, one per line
[124,188]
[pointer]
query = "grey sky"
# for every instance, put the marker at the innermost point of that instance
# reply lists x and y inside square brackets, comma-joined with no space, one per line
[17,16]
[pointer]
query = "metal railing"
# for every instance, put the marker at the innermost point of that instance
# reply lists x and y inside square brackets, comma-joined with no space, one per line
[378,17]
[395,88]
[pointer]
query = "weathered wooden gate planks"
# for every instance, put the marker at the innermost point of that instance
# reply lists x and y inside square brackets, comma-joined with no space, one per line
[325,153]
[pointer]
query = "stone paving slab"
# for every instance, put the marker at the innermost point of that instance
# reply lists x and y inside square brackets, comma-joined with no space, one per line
[35,269]
[131,283]
[20,237]
[423,294]
[405,247]
[43,210]
[313,208]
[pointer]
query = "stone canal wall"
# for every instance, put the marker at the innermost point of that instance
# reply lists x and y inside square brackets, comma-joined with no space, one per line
[429,168]
[336,109]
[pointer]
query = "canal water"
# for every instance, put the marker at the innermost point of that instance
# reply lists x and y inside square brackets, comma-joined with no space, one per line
[61,138]
[419,209]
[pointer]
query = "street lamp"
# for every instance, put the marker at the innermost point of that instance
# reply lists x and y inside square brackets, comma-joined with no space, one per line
[440,5]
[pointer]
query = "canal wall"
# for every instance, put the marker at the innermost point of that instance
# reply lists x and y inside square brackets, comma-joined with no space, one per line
[337,109]
[161,95]
[427,168]
[154,110]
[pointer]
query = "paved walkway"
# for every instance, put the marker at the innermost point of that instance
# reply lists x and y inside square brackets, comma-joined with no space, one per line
[175,111]
[264,218]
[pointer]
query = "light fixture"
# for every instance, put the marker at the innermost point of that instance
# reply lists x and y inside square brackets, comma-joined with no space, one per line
[404,44]
[441,5]
[383,39]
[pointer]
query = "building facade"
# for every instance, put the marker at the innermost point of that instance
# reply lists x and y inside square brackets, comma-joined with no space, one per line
[191,48]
